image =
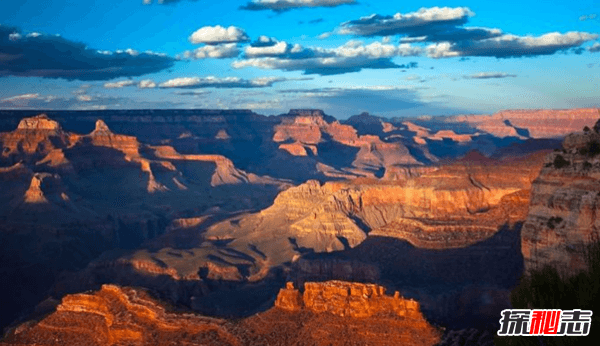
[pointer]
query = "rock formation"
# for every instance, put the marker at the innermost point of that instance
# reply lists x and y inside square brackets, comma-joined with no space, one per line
[554,123]
[347,299]
[565,200]
[121,315]
[68,197]
[117,316]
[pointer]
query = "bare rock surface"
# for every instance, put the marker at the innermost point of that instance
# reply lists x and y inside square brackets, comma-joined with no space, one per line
[565,200]
[121,315]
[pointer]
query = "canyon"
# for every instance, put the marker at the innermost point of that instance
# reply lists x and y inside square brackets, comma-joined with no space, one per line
[214,211]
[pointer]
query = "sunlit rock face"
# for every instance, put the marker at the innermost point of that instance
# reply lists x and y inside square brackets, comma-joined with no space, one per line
[347,299]
[116,316]
[32,139]
[565,204]
[124,316]
[540,123]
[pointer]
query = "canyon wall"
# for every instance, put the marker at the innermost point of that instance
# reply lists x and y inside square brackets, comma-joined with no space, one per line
[120,315]
[565,203]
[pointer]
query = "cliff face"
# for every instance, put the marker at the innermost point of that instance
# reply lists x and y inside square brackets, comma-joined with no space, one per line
[119,316]
[539,123]
[33,138]
[115,316]
[565,204]
[347,299]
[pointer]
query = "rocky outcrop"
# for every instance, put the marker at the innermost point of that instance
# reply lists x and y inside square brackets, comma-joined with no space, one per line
[33,138]
[308,129]
[124,316]
[565,203]
[115,316]
[347,299]
[102,136]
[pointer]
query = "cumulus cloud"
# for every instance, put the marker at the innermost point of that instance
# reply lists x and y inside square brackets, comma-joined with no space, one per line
[215,82]
[143,84]
[490,75]
[146,84]
[266,46]
[218,34]
[351,57]
[220,51]
[119,84]
[418,23]
[595,48]
[44,56]
[285,5]
[443,29]
[507,46]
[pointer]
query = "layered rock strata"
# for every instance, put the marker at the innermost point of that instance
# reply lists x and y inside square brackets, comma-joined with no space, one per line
[347,299]
[565,203]
[126,316]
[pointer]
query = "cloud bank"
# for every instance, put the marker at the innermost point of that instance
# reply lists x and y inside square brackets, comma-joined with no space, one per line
[443,28]
[37,55]
[490,75]
[353,56]
[215,82]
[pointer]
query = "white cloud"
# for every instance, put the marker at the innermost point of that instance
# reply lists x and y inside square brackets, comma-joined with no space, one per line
[377,25]
[351,57]
[215,82]
[325,35]
[374,50]
[595,48]
[218,34]
[146,84]
[490,75]
[21,97]
[278,48]
[84,98]
[441,50]
[119,84]
[511,45]
[220,51]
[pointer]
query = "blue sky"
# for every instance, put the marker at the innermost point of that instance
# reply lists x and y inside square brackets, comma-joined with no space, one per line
[389,58]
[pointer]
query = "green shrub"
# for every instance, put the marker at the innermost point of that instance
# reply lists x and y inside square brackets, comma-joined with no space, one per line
[547,289]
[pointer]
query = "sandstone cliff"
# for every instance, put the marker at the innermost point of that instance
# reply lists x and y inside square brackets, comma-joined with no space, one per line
[539,123]
[565,200]
[126,316]
[347,299]
[119,316]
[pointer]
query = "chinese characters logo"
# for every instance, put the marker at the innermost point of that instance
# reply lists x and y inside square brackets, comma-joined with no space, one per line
[545,322]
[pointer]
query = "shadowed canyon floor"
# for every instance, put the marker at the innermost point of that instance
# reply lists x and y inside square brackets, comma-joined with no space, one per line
[213,211]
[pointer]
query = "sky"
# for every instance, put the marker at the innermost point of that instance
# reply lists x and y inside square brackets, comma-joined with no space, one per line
[389,58]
